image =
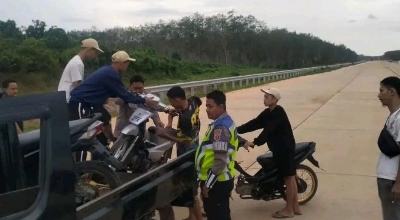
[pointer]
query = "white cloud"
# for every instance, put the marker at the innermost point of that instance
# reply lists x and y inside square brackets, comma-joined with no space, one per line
[338,21]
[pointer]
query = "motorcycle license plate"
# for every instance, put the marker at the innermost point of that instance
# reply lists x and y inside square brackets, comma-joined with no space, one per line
[139,116]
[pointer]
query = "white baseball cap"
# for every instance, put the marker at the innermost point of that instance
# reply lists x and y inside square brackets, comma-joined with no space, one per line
[272,91]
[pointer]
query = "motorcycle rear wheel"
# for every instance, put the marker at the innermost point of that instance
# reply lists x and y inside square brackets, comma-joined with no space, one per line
[109,181]
[314,185]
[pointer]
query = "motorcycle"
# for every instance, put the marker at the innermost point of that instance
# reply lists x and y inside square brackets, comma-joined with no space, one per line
[83,134]
[267,186]
[138,151]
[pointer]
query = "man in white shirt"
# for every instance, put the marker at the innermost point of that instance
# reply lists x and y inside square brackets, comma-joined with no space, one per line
[74,71]
[388,175]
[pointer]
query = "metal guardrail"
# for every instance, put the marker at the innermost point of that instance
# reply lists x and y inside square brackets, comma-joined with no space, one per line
[254,78]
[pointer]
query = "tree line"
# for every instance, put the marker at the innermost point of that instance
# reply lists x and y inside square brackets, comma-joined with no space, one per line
[174,47]
[392,55]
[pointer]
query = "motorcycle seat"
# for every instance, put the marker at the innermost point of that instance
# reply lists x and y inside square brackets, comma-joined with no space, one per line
[30,141]
[300,147]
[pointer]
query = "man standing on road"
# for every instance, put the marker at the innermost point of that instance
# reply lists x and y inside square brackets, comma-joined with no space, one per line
[74,71]
[104,83]
[277,133]
[136,86]
[388,174]
[188,129]
[9,88]
[215,158]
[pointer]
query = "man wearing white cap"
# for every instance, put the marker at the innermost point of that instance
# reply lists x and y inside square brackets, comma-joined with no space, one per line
[106,82]
[277,133]
[74,70]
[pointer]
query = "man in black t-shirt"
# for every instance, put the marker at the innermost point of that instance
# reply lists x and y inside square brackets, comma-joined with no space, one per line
[9,89]
[188,129]
[277,133]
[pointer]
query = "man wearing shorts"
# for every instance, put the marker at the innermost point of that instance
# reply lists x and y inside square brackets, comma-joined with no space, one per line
[90,96]
[187,111]
[277,133]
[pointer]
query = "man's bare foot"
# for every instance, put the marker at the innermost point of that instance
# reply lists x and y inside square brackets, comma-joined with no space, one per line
[296,210]
[281,214]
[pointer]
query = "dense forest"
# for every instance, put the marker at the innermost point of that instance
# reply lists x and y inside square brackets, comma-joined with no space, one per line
[192,45]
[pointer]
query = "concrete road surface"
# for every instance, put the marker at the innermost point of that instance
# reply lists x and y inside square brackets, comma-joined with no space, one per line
[339,110]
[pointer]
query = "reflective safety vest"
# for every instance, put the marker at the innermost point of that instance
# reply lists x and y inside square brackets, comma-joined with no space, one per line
[205,153]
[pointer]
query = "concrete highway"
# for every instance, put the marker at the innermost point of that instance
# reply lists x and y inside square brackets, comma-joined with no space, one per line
[339,110]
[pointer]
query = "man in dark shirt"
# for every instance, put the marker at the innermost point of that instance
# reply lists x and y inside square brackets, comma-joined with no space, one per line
[188,129]
[9,88]
[277,133]
[125,111]
[90,96]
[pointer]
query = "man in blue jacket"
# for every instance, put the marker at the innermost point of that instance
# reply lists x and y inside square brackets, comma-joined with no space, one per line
[90,96]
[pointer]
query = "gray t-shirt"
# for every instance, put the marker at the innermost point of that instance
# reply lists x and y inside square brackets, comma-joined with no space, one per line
[125,113]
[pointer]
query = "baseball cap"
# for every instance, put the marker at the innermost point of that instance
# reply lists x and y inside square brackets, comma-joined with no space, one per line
[91,43]
[120,57]
[272,91]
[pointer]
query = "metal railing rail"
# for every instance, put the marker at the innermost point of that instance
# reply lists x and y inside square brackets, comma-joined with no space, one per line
[254,78]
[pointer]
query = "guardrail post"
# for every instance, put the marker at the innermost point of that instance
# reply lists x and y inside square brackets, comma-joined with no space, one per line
[224,86]
[233,84]
[192,91]
[254,80]
[162,96]
[247,82]
[241,83]
[215,86]
[205,89]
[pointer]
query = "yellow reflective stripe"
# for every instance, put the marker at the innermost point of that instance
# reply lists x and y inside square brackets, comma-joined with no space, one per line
[205,154]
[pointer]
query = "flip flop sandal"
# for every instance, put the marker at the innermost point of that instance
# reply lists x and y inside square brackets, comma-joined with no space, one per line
[279,214]
[298,213]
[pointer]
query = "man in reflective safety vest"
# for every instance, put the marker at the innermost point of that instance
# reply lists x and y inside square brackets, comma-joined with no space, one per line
[215,158]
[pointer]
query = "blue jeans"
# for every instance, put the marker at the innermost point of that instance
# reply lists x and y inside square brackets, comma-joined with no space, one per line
[180,149]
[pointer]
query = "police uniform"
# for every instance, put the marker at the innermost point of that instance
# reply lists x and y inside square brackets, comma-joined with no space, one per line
[215,161]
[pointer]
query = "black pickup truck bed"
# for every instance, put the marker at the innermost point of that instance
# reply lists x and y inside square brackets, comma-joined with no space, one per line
[54,197]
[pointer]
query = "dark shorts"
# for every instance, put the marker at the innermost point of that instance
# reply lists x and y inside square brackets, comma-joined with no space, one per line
[284,161]
[180,150]
[79,110]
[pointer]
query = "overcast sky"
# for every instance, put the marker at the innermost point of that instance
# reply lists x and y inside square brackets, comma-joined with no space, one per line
[369,27]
